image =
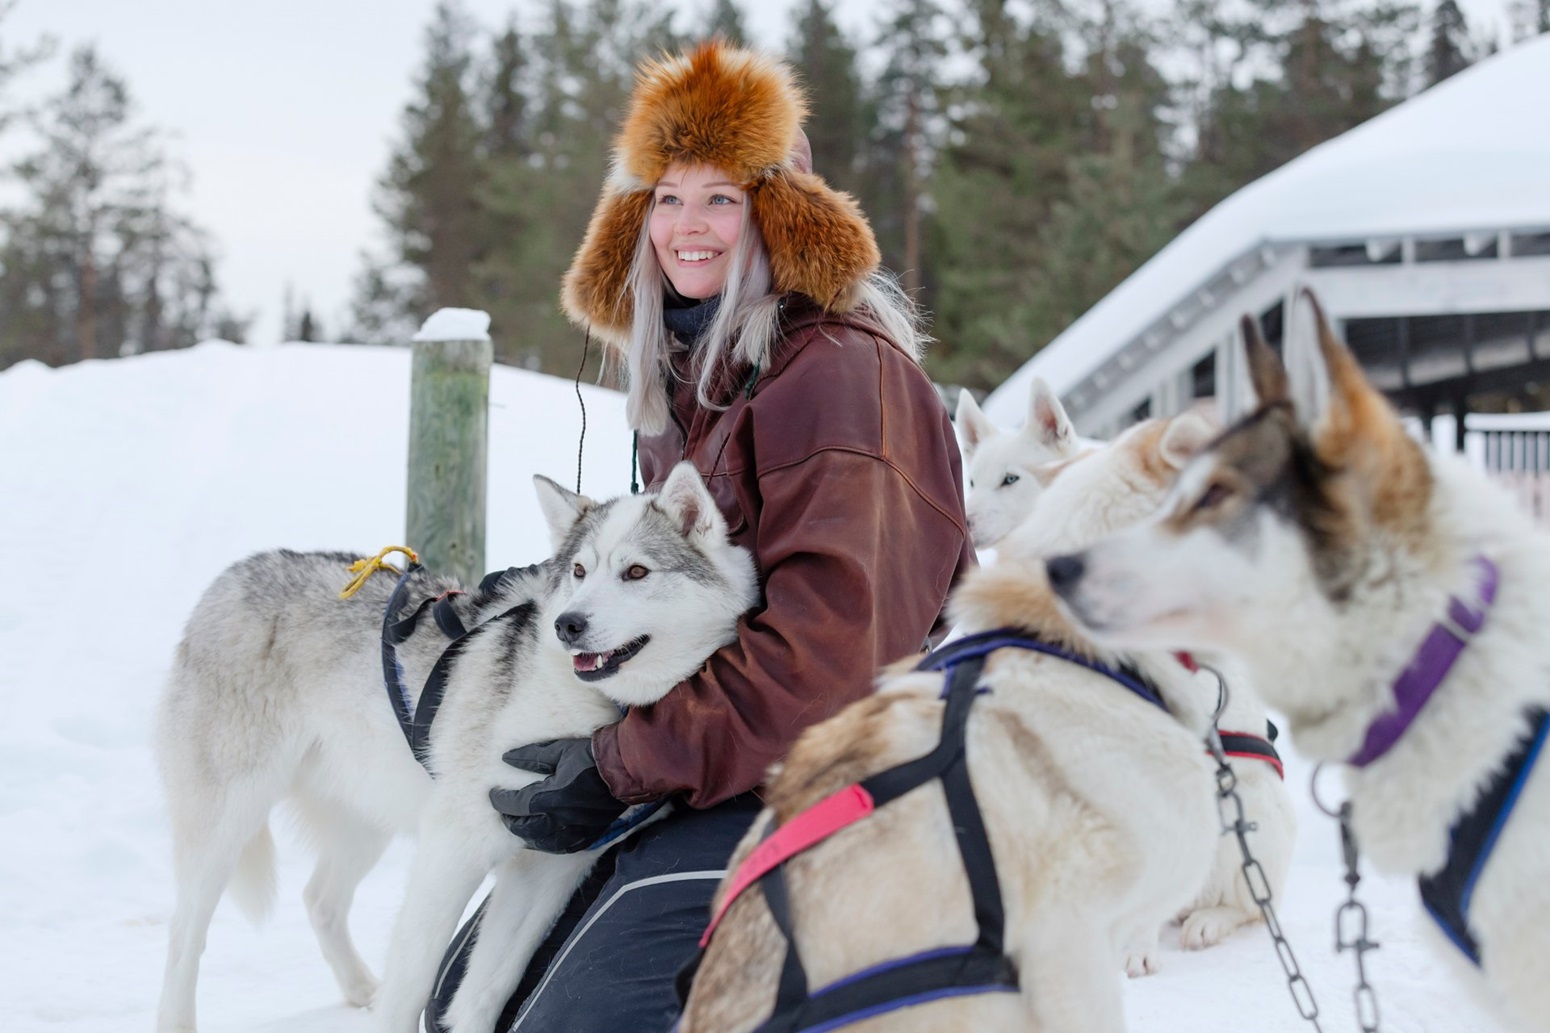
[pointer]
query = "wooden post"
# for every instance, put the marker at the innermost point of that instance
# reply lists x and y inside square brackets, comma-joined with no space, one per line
[449,418]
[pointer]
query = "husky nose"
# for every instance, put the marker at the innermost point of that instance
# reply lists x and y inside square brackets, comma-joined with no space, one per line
[570,627]
[1064,571]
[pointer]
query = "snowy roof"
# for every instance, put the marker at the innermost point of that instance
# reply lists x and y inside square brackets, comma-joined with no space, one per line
[1471,154]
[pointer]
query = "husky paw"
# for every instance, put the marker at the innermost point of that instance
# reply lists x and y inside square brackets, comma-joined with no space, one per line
[1142,955]
[359,990]
[1209,926]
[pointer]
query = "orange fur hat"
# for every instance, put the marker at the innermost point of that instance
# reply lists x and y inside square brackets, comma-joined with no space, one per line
[741,112]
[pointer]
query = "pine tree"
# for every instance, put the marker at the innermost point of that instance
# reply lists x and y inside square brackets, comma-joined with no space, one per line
[97,262]
[1054,188]
[827,62]
[429,196]
[1448,52]
[726,21]
[905,109]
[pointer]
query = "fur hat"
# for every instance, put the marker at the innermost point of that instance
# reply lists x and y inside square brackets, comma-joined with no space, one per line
[741,112]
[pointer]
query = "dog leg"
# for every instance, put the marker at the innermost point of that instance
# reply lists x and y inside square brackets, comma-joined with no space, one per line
[213,834]
[1069,977]
[199,891]
[448,866]
[530,891]
[1142,954]
[348,848]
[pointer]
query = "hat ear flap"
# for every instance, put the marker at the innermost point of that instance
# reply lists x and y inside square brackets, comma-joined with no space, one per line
[818,241]
[596,289]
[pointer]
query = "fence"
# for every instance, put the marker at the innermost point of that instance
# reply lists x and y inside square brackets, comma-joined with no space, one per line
[1514,448]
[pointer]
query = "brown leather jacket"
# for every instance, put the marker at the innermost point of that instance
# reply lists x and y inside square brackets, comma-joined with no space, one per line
[839,471]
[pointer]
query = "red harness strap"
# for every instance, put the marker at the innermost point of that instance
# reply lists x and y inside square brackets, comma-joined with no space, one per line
[1264,751]
[812,826]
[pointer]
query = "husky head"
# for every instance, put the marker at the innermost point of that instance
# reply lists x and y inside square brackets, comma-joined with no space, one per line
[1001,464]
[648,586]
[1094,493]
[1280,523]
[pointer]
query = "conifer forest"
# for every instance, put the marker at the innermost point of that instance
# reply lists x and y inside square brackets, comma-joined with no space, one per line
[1017,159]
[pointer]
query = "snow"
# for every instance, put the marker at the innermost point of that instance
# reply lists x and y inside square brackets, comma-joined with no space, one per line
[455,324]
[129,484]
[1469,154]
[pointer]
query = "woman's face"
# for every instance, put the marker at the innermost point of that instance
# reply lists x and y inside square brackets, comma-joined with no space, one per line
[695,224]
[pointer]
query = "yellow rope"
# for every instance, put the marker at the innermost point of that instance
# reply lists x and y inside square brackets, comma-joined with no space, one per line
[364,568]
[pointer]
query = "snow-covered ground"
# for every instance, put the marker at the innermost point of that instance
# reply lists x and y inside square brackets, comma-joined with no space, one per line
[126,486]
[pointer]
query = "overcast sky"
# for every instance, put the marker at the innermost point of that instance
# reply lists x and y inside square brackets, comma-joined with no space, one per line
[285,110]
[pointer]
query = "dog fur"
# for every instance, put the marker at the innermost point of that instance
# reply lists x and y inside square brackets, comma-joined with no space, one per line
[1008,470]
[1319,542]
[276,693]
[1000,466]
[1099,810]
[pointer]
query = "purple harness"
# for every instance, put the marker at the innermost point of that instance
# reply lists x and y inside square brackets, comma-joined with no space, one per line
[1430,666]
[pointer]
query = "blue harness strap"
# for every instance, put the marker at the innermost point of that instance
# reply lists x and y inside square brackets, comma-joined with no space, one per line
[1446,893]
[980,967]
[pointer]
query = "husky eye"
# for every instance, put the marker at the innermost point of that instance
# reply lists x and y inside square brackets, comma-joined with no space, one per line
[1009,480]
[1213,496]
[578,572]
[635,573]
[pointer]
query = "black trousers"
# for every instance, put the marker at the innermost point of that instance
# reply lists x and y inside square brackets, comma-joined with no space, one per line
[609,962]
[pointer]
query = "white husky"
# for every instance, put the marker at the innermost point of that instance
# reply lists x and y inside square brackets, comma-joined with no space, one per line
[1351,570]
[277,693]
[1000,465]
[1097,805]
[1009,471]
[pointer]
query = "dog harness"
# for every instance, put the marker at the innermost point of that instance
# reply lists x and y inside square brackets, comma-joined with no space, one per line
[980,967]
[415,720]
[1446,893]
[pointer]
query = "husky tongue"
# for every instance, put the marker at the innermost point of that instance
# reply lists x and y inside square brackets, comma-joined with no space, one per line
[589,661]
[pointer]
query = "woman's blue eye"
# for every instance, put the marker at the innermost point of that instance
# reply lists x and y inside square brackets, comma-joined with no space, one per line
[721,199]
[667,199]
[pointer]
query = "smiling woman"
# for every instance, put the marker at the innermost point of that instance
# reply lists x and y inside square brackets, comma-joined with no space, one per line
[742,294]
[697,220]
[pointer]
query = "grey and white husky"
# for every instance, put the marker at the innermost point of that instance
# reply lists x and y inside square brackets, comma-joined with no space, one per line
[277,693]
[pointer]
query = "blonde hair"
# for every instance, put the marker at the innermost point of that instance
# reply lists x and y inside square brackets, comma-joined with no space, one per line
[745,328]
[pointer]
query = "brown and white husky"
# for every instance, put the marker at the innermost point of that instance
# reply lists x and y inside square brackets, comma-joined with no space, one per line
[1098,806]
[1353,571]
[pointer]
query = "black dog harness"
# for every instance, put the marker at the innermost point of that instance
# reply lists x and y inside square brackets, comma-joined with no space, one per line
[980,967]
[415,720]
[1446,893]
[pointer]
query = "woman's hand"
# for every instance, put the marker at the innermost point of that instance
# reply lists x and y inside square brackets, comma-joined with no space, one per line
[567,810]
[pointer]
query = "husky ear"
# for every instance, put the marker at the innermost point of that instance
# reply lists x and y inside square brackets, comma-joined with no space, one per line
[1266,372]
[1047,419]
[1185,436]
[686,500]
[971,424]
[562,508]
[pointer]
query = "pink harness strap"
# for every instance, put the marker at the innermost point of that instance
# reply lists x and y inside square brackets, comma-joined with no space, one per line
[810,827]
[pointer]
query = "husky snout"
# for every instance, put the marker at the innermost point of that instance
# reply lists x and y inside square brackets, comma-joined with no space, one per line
[1065,572]
[571,627]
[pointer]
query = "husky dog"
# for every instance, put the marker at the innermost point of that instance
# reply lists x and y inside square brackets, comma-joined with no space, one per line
[1098,806]
[276,693]
[999,465]
[1334,555]
[1013,468]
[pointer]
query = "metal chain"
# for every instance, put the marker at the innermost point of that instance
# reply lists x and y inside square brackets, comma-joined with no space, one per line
[1237,823]
[1351,917]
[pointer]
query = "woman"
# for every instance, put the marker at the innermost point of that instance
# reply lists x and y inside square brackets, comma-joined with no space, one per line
[743,297]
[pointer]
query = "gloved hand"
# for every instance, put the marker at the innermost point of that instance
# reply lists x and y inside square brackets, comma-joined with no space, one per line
[566,811]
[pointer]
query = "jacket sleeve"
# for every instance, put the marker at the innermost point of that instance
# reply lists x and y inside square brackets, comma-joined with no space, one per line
[857,562]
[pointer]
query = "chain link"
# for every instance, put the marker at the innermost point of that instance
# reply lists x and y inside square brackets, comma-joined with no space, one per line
[1236,822]
[1351,918]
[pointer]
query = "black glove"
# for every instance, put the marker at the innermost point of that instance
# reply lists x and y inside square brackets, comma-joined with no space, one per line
[568,810]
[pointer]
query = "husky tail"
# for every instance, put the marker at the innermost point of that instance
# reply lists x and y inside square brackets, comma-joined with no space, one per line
[253,883]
